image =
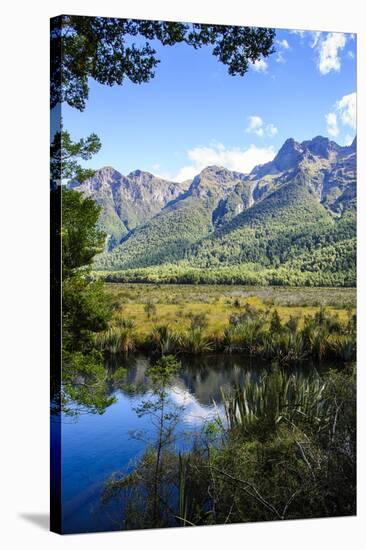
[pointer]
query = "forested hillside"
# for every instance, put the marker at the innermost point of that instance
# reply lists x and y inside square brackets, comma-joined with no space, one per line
[294,216]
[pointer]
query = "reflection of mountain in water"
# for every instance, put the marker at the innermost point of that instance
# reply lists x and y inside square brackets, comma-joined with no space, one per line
[205,378]
[202,378]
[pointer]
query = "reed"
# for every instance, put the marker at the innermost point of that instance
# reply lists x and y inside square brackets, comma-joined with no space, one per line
[164,340]
[275,398]
[343,347]
[195,342]
[115,340]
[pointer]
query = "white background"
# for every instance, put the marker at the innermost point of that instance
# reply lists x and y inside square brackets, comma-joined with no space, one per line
[24,256]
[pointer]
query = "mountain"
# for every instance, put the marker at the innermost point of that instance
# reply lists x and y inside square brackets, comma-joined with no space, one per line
[303,200]
[295,213]
[127,201]
[168,235]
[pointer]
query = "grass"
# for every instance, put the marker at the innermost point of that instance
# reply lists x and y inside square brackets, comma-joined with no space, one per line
[167,321]
[175,305]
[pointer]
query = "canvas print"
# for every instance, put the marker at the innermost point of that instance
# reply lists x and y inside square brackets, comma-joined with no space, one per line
[203,274]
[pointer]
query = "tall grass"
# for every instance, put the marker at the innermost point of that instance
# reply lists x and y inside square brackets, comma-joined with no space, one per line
[251,331]
[195,342]
[115,340]
[277,397]
[164,340]
[245,336]
[343,347]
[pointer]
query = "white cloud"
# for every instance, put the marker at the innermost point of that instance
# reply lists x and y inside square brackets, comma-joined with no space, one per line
[328,48]
[344,114]
[332,124]
[350,54]
[346,107]
[271,130]
[299,33]
[348,139]
[256,126]
[260,66]
[280,58]
[315,36]
[240,160]
[283,44]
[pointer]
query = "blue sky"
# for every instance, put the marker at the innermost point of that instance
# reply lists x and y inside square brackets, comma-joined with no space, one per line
[193,113]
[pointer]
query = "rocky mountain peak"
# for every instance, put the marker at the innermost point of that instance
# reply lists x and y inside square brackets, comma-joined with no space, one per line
[106,176]
[139,176]
[321,147]
[214,181]
[289,155]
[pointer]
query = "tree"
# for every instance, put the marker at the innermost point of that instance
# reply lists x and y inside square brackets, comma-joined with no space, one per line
[64,154]
[81,240]
[108,50]
[150,484]
[86,307]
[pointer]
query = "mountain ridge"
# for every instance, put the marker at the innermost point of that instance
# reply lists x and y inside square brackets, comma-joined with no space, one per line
[269,217]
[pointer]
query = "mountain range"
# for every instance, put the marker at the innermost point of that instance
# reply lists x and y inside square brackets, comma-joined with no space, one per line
[296,213]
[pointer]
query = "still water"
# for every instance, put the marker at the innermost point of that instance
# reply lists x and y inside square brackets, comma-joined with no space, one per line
[94,446]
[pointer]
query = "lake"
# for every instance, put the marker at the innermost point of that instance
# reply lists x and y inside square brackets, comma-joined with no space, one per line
[94,446]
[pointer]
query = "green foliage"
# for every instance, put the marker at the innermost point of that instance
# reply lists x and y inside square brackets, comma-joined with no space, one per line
[153,472]
[164,238]
[84,383]
[86,309]
[288,451]
[164,340]
[184,273]
[244,337]
[64,154]
[286,238]
[252,332]
[108,50]
[161,372]
[81,239]
[195,342]
[115,340]
[277,398]
[275,325]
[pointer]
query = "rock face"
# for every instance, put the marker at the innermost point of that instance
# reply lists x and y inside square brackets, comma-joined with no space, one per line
[127,201]
[325,167]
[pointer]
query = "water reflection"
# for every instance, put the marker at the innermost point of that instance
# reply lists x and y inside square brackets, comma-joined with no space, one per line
[96,445]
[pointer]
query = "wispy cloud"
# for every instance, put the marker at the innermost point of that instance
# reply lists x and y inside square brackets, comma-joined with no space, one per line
[344,114]
[283,44]
[257,126]
[346,108]
[332,124]
[240,160]
[298,33]
[328,47]
[260,66]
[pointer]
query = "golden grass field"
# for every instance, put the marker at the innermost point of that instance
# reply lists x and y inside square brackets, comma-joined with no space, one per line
[175,303]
